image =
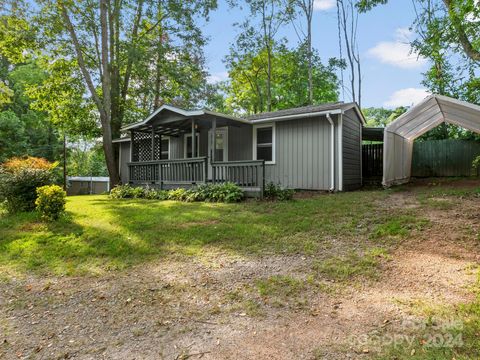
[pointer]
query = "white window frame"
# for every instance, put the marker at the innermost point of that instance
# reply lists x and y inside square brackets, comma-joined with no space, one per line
[267,125]
[197,142]
[164,137]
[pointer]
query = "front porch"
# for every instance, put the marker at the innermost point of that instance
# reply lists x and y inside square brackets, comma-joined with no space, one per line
[173,148]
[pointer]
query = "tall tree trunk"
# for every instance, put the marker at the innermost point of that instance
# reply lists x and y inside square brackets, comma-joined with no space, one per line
[269,79]
[106,119]
[157,102]
[104,111]
[309,56]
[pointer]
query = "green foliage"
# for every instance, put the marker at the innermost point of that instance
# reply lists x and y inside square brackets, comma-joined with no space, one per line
[83,160]
[50,201]
[19,179]
[226,192]
[13,140]
[476,164]
[248,86]
[23,130]
[381,117]
[276,192]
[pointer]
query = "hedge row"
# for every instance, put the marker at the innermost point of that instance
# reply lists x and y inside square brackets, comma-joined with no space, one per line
[226,192]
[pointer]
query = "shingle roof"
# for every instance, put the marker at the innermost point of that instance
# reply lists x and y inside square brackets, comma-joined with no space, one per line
[301,110]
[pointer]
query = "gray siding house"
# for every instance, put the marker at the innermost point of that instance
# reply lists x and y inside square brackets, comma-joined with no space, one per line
[309,148]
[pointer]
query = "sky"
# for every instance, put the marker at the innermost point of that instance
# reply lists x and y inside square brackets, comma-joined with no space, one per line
[391,74]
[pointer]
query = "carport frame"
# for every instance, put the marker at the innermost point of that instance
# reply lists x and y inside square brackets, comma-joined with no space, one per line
[401,133]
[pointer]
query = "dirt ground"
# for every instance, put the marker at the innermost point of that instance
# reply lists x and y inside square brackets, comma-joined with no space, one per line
[206,309]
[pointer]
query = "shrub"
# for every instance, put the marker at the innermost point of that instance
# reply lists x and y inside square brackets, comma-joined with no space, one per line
[50,201]
[126,192]
[19,179]
[227,192]
[276,192]
[476,165]
[177,194]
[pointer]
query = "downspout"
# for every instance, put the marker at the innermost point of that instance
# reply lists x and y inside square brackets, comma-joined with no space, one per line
[332,151]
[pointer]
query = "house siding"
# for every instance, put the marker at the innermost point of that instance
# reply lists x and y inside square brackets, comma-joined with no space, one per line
[124,159]
[240,142]
[302,154]
[352,152]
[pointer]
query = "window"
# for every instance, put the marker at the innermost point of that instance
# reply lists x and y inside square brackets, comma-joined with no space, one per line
[165,155]
[264,143]
[188,145]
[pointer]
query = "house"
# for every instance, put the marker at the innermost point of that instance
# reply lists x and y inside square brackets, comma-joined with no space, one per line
[83,185]
[311,148]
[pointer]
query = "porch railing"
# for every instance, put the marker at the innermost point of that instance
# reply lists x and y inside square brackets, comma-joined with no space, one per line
[249,175]
[163,172]
[246,174]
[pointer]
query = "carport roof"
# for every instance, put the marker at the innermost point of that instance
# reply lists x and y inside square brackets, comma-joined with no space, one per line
[431,112]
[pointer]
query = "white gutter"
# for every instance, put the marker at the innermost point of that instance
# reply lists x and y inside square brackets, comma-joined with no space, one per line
[332,151]
[297,116]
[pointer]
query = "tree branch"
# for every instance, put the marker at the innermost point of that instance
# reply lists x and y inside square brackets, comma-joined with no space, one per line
[467,46]
[81,60]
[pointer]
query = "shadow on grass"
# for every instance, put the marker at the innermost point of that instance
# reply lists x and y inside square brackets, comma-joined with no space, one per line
[100,234]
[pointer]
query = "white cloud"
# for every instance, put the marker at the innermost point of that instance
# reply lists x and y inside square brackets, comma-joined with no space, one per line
[217,77]
[323,5]
[406,97]
[398,52]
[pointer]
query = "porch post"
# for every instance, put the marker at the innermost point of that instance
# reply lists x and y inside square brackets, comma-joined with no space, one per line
[153,143]
[131,145]
[194,140]
[160,165]
[214,145]
[214,135]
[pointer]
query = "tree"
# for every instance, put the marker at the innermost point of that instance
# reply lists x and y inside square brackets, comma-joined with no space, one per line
[461,20]
[347,17]
[13,139]
[112,44]
[306,9]
[265,20]
[248,84]
[381,117]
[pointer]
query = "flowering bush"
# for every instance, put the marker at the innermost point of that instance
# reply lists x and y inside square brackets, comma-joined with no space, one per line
[50,201]
[19,179]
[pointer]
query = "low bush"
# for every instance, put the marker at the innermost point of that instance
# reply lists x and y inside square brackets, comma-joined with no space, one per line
[226,192]
[476,166]
[276,192]
[50,201]
[19,179]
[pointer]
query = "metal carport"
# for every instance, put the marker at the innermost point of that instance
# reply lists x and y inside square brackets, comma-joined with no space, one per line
[401,133]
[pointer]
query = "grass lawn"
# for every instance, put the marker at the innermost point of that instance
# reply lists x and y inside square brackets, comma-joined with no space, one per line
[99,234]
[282,260]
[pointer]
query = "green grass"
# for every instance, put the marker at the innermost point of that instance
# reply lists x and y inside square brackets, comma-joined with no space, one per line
[445,335]
[352,265]
[99,234]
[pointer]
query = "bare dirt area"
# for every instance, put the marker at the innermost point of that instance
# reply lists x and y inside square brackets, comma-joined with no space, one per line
[267,307]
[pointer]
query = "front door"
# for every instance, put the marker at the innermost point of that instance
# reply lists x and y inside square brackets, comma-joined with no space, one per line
[221,147]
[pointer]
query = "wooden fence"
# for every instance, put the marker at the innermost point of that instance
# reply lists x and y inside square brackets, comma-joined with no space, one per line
[372,161]
[444,158]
